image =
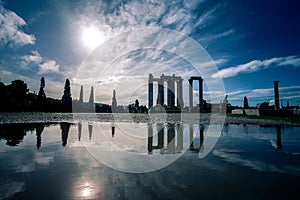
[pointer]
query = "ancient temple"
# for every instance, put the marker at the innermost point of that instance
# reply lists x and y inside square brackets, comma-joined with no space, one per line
[171,81]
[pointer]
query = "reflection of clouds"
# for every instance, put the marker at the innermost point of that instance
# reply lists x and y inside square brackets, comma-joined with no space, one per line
[256,163]
[44,158]
[23,164]
[8,190]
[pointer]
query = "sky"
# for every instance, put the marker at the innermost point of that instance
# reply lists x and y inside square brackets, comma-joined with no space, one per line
[245,45]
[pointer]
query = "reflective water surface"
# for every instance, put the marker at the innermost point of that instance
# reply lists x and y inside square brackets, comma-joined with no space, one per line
[123,160]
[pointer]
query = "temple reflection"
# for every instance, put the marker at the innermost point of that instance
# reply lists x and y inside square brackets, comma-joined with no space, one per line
[278,136]
[174,138]
[192,139]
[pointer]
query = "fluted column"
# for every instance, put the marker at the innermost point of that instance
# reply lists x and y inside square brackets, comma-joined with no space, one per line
[180,103]
[191,93]
[150,91]
[169,91]
[276,95]
[161,94]
[201,93]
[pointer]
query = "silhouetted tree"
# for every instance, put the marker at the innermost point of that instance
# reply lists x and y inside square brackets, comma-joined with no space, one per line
[287,104]
[114,102]
[81,95]
[16,92]
[137,105]
[3,97]
[39,129]
[246,103]
[66,98]
[91,100]
[42,95]
[65,127]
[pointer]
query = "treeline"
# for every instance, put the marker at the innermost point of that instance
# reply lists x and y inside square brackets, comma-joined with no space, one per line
[16,97]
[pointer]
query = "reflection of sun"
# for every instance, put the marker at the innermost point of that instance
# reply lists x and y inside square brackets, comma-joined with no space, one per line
[92,37]
[86,192]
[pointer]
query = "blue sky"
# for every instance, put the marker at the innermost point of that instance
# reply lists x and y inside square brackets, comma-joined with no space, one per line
[251,42]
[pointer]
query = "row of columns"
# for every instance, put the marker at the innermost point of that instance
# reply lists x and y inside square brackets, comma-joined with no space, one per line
[172,131]
[170,90]
[200,80]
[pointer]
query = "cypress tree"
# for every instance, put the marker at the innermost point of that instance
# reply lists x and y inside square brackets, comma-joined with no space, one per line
[91,100]
[81,95]
[66,98]
[42,96]
[114,102]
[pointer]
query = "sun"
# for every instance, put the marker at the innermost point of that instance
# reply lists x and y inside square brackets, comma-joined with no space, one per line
[92,37]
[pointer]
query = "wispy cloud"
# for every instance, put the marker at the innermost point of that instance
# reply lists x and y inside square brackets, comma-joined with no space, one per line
[44,65]
[11,32]
[49,66]
[257,65]
[34,57]
[114,18]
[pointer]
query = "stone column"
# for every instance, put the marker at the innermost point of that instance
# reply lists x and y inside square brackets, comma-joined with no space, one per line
[150,91]
[191,93]
[169,91]
[201,93]
[276,95]
[172,90]
[180,103]
[161,93]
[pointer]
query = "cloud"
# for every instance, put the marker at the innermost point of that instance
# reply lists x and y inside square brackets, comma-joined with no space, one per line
[10,188]
[115,18]
[257,65]
[11,32]
[49,66]
[256,163]
[36,59]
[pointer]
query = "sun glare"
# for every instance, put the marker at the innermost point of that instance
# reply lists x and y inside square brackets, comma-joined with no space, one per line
[92,37]
[86,192]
